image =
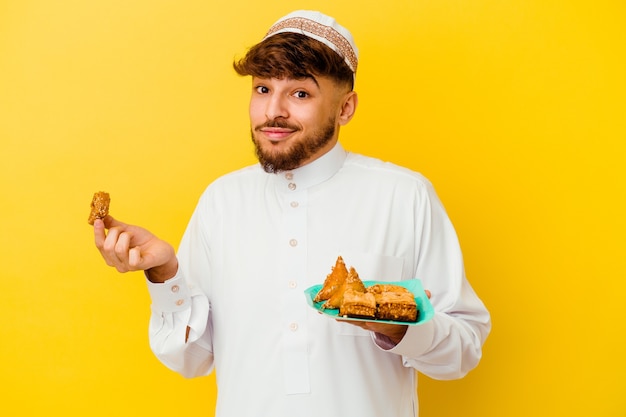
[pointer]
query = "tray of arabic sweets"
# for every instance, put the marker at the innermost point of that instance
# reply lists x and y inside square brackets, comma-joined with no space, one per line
[344,296]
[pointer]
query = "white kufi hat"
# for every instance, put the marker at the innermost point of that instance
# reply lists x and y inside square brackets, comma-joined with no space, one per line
[320,27]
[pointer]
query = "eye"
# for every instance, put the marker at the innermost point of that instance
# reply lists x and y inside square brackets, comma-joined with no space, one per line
[261,89]
[301,94]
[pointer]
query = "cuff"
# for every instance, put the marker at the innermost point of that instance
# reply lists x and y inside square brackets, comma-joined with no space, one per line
[415,342]
[171,296]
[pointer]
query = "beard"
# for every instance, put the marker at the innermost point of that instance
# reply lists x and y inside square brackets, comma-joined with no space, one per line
[275,162]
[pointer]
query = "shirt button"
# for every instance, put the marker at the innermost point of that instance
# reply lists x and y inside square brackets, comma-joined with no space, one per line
[293,284]
[291,186]
[293,243]
[289,176]
[175,288]
[180,302]
[294,204]
[293,327]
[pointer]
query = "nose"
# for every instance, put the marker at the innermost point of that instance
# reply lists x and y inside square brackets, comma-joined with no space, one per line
[276,107]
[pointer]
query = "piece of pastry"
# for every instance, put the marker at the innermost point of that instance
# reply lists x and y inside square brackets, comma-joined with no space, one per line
[358,304]
[379,289]
[99,206]
[352,282]
[333,281]
[396,306]
[344,290]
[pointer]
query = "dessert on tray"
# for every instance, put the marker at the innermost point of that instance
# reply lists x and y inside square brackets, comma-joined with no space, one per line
[344,290]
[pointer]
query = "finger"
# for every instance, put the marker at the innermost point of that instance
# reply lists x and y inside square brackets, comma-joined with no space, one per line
[141,261]
[361,324]
[134,258]
[99,234]
[428,293]
[110,248]
[122,247]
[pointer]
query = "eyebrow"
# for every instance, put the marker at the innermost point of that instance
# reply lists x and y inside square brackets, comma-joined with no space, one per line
[312,77]
[308,77]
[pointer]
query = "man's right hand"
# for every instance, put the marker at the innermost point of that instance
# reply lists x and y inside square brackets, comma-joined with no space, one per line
[131,248]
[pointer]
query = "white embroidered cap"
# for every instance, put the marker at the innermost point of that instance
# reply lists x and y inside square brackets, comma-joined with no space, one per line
[323,28]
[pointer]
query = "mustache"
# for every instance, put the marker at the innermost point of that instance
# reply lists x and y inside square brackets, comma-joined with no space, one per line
[279,123]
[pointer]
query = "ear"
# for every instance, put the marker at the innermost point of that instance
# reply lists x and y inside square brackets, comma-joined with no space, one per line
[350,101]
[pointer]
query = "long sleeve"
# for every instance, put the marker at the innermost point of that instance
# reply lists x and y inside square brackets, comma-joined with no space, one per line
[450,345]
[179,306]
[174,308]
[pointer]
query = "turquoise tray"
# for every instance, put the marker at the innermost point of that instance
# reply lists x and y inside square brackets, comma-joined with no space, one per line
[424,307]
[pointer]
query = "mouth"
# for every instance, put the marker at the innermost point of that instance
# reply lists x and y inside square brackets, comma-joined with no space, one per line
[276,135]
[276,132]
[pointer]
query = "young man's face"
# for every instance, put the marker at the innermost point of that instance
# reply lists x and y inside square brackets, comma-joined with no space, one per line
[294,122]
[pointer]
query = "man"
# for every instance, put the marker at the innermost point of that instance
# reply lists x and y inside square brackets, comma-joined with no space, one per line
[232,299]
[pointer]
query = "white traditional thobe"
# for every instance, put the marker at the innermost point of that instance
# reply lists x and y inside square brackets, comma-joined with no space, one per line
[256,241]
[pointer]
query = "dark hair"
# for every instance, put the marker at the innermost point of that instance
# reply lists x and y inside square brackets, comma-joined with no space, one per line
[294,55]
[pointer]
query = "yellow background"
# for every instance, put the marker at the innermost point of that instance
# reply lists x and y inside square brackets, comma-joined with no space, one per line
[513,108]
